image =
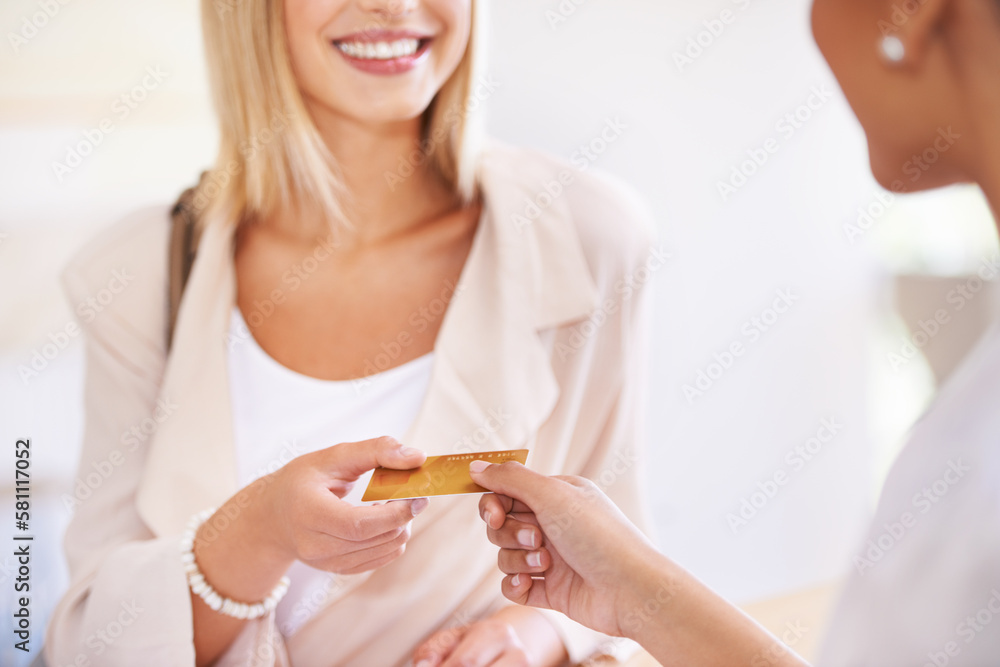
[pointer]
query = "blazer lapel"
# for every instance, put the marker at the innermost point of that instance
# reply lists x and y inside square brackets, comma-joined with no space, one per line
[191,463]
[493,384]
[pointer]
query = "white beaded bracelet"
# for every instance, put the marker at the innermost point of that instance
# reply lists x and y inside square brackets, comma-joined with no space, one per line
[204,590]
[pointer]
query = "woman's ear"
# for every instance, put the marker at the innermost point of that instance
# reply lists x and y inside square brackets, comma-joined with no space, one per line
[909,29]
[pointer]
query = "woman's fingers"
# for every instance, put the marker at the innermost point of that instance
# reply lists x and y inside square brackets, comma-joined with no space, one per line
[515,561]
[516,534]
[524,517]
[356,561]
[511,479]
[524,590]
[469,654]
[373,564]
[493,509]
[350,460]
[527,490]
[357,524]
[438,647]
[482,645]
[354,547]
[511,659]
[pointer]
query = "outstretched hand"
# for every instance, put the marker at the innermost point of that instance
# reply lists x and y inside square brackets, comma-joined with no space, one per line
[565,546]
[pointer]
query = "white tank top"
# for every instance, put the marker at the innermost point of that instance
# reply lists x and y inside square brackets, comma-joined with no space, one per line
[279,414]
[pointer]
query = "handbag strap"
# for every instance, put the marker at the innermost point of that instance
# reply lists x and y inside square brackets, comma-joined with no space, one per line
[185,232]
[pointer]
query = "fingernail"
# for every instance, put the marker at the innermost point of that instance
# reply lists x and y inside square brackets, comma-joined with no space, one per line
[526,537]
[534,559]
[410,451]
[419,505]
[486,517]
[423,663]
[478,466]
[515,581]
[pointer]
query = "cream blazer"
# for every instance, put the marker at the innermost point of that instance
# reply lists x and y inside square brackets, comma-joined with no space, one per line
[547,329]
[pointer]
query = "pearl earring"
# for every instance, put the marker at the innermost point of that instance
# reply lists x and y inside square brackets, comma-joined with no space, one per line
[892,49]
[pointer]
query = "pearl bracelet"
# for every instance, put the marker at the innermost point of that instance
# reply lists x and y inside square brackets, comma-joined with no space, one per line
[204,590]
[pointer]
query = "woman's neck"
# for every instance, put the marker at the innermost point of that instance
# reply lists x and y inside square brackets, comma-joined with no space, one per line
[391,184]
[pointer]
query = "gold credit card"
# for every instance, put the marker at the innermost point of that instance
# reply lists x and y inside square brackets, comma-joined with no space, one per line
[439,476]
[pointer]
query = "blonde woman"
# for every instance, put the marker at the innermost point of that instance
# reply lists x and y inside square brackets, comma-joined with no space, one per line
[369,286]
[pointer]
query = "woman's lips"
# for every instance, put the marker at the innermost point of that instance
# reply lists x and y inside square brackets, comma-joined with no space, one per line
[383,52]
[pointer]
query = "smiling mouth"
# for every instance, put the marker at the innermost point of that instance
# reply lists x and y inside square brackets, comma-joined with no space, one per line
[382,50]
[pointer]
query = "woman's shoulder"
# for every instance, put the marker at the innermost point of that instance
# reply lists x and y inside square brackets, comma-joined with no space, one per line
[144,230]
[122,270]
[610,218]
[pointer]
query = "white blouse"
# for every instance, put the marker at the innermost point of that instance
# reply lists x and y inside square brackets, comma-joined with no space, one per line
[925,586]
[279,414]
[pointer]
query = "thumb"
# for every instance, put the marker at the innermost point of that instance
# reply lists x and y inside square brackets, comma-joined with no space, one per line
[350,460]
[514,480]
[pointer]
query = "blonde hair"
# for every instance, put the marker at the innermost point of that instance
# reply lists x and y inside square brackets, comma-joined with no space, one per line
[271,153]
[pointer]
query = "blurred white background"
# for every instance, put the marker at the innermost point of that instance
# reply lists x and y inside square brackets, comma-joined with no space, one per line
[565,69]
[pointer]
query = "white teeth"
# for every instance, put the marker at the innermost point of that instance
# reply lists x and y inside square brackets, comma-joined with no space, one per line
[379,50]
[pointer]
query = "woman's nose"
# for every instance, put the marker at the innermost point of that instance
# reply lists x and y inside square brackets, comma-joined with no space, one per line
[389,8]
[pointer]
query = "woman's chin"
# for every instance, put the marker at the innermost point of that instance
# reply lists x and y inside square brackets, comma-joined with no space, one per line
[892,181]
[383,111]
[375,115]
[888,174]
[915,171]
